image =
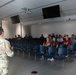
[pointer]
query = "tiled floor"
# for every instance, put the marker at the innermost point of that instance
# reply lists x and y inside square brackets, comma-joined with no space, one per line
[20,65]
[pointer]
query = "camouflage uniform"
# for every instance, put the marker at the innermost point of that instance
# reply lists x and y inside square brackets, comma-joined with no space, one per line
[5,50]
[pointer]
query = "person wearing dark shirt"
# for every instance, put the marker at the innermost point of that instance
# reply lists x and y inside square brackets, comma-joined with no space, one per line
[42,36]
[19,37]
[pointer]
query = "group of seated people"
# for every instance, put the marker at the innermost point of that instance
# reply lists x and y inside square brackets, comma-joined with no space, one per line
[18,37]
[50,41]
[56,40]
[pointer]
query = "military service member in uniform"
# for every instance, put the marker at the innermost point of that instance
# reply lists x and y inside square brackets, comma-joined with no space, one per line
[5,50]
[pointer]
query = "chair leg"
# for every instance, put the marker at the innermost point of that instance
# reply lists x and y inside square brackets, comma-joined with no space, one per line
[63,63]
[29,54]
[53,63]
[18,52]
[23,53]
[35,57]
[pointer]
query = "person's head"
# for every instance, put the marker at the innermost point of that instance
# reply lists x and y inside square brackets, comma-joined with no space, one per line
[60,36]
[19,35]
[53,34]
[42,35]
[26,35]
[66,37]
[54,38]
[73,36]
[50,37]
[47,39]
[1,32]
[57,35]
[15,36]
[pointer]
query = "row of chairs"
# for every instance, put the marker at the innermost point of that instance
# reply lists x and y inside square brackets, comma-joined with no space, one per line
[51,52]
[34,48]
[59,54]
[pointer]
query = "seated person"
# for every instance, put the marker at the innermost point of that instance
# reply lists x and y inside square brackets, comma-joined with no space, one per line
[15,37]
[42,36]
[54,42]
[26,37]
[73,39]
[19,37]
[50,37]
[53,35]
[46,44]
[60,39]
[67,41]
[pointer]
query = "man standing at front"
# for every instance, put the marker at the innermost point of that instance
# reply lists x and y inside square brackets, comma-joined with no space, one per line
[5,50]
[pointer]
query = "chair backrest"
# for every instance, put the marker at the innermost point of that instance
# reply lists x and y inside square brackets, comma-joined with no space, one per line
[63,46]
[43,48]
[52,50]
[73,47]
[37,48]
[62,51]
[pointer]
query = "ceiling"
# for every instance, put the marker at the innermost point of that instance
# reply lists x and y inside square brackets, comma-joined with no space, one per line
[10,8]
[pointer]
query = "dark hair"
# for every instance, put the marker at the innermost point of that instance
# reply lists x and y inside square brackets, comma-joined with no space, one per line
[1,30]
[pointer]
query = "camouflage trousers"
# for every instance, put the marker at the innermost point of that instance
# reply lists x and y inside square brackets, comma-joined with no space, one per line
[3,69]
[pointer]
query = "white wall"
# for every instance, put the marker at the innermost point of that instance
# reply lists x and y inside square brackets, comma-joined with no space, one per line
[8,29]
[25,30]
[14,29]
[66,27]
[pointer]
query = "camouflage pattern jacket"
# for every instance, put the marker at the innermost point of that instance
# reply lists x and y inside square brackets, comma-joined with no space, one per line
[5,50]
